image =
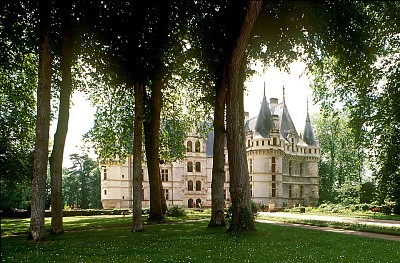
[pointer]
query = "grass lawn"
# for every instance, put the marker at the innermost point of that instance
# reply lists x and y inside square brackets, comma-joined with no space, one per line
[192,241]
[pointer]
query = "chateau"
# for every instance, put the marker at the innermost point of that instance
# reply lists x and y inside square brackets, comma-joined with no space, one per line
[283,166]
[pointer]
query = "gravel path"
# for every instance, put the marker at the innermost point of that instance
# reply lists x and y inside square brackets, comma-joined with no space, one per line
[376,222]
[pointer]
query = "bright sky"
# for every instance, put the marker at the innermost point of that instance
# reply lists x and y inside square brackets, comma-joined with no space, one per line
[296,92]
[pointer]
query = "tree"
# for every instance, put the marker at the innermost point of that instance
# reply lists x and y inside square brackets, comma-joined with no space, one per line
[82,182]
[40,159]
[57,153]
[342,163]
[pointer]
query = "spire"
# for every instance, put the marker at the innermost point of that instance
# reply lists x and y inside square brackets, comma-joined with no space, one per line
[264,122]
[308,134]
[283,90]
[264,88]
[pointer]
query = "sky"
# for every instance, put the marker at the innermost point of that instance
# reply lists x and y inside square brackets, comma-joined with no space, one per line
[297,89]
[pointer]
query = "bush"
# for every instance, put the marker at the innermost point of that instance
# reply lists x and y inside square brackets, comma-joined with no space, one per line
[176,211]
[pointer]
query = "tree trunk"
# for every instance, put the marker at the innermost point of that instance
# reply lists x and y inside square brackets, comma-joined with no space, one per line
[137,159]
[152,144]
[57,153]
[218,172]
[242,218]
[37,229]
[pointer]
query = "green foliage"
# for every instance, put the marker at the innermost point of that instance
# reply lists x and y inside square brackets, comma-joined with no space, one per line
[176,211]
[81,183]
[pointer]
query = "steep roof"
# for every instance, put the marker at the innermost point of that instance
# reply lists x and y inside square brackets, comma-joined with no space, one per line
[264,122]
[308,134]
[285,120]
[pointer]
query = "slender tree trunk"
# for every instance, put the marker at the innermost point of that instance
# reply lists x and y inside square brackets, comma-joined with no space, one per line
[218,172]
[57,153]
[242,218]
[37,229]
[152,144]
[137,159]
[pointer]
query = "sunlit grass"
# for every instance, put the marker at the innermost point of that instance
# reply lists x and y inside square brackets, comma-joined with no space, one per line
[194,242]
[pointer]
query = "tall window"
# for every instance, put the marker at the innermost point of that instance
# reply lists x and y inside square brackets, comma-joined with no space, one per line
[301,191]
[104,173]
[274,141]
[190,185]
[198,186]
[166,194]
[250,165]
[273,190]
[292,144]
[290,191]
[273,177]
[290,167]
[164,175]
[189,146]
[197,147]
[105,192]
[273,166]
[198,167]
[301,168]
[190,167]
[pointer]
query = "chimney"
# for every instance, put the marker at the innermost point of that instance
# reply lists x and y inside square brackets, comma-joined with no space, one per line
[246,116]
[273,102]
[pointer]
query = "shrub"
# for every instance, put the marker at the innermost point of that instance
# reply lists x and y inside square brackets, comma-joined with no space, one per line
[176,211]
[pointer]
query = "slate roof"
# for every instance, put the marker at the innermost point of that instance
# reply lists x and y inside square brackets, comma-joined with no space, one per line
[308,134]
[264,122]
[285,120]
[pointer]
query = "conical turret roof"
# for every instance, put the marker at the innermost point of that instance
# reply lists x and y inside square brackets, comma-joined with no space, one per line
[264,122]
[308,134]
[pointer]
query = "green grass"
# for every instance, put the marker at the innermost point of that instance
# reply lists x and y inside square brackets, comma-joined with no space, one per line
[194,242]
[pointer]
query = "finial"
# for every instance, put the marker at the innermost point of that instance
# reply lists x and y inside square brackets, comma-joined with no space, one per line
[307,104]
[264,88]
[308,115]
[283,94]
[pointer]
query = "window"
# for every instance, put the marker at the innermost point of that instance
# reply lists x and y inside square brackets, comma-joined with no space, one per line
[198,167]
[274,141]
[104,173]
[309,150]
[315,151]
[292,144]
[273,165]
[189,146]
[262,143]
[273,177]
[197,146]
[273,193]
[301,191]
[251,190]
[250,165]
[256,143]
[198,186]
[191,203]
[190,185]
[123,176]
[190,167]
[248,143]
[123,197]
[290,167]
[166,194]
[164,175]
[301,168]
[290,191]
[105,192]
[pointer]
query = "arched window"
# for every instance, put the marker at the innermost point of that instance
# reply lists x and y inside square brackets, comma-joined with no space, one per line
[198,167]
[190,185]
[197,147]
[198,185]
[198,202]
[190,167]
[190,203]
[189,146]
